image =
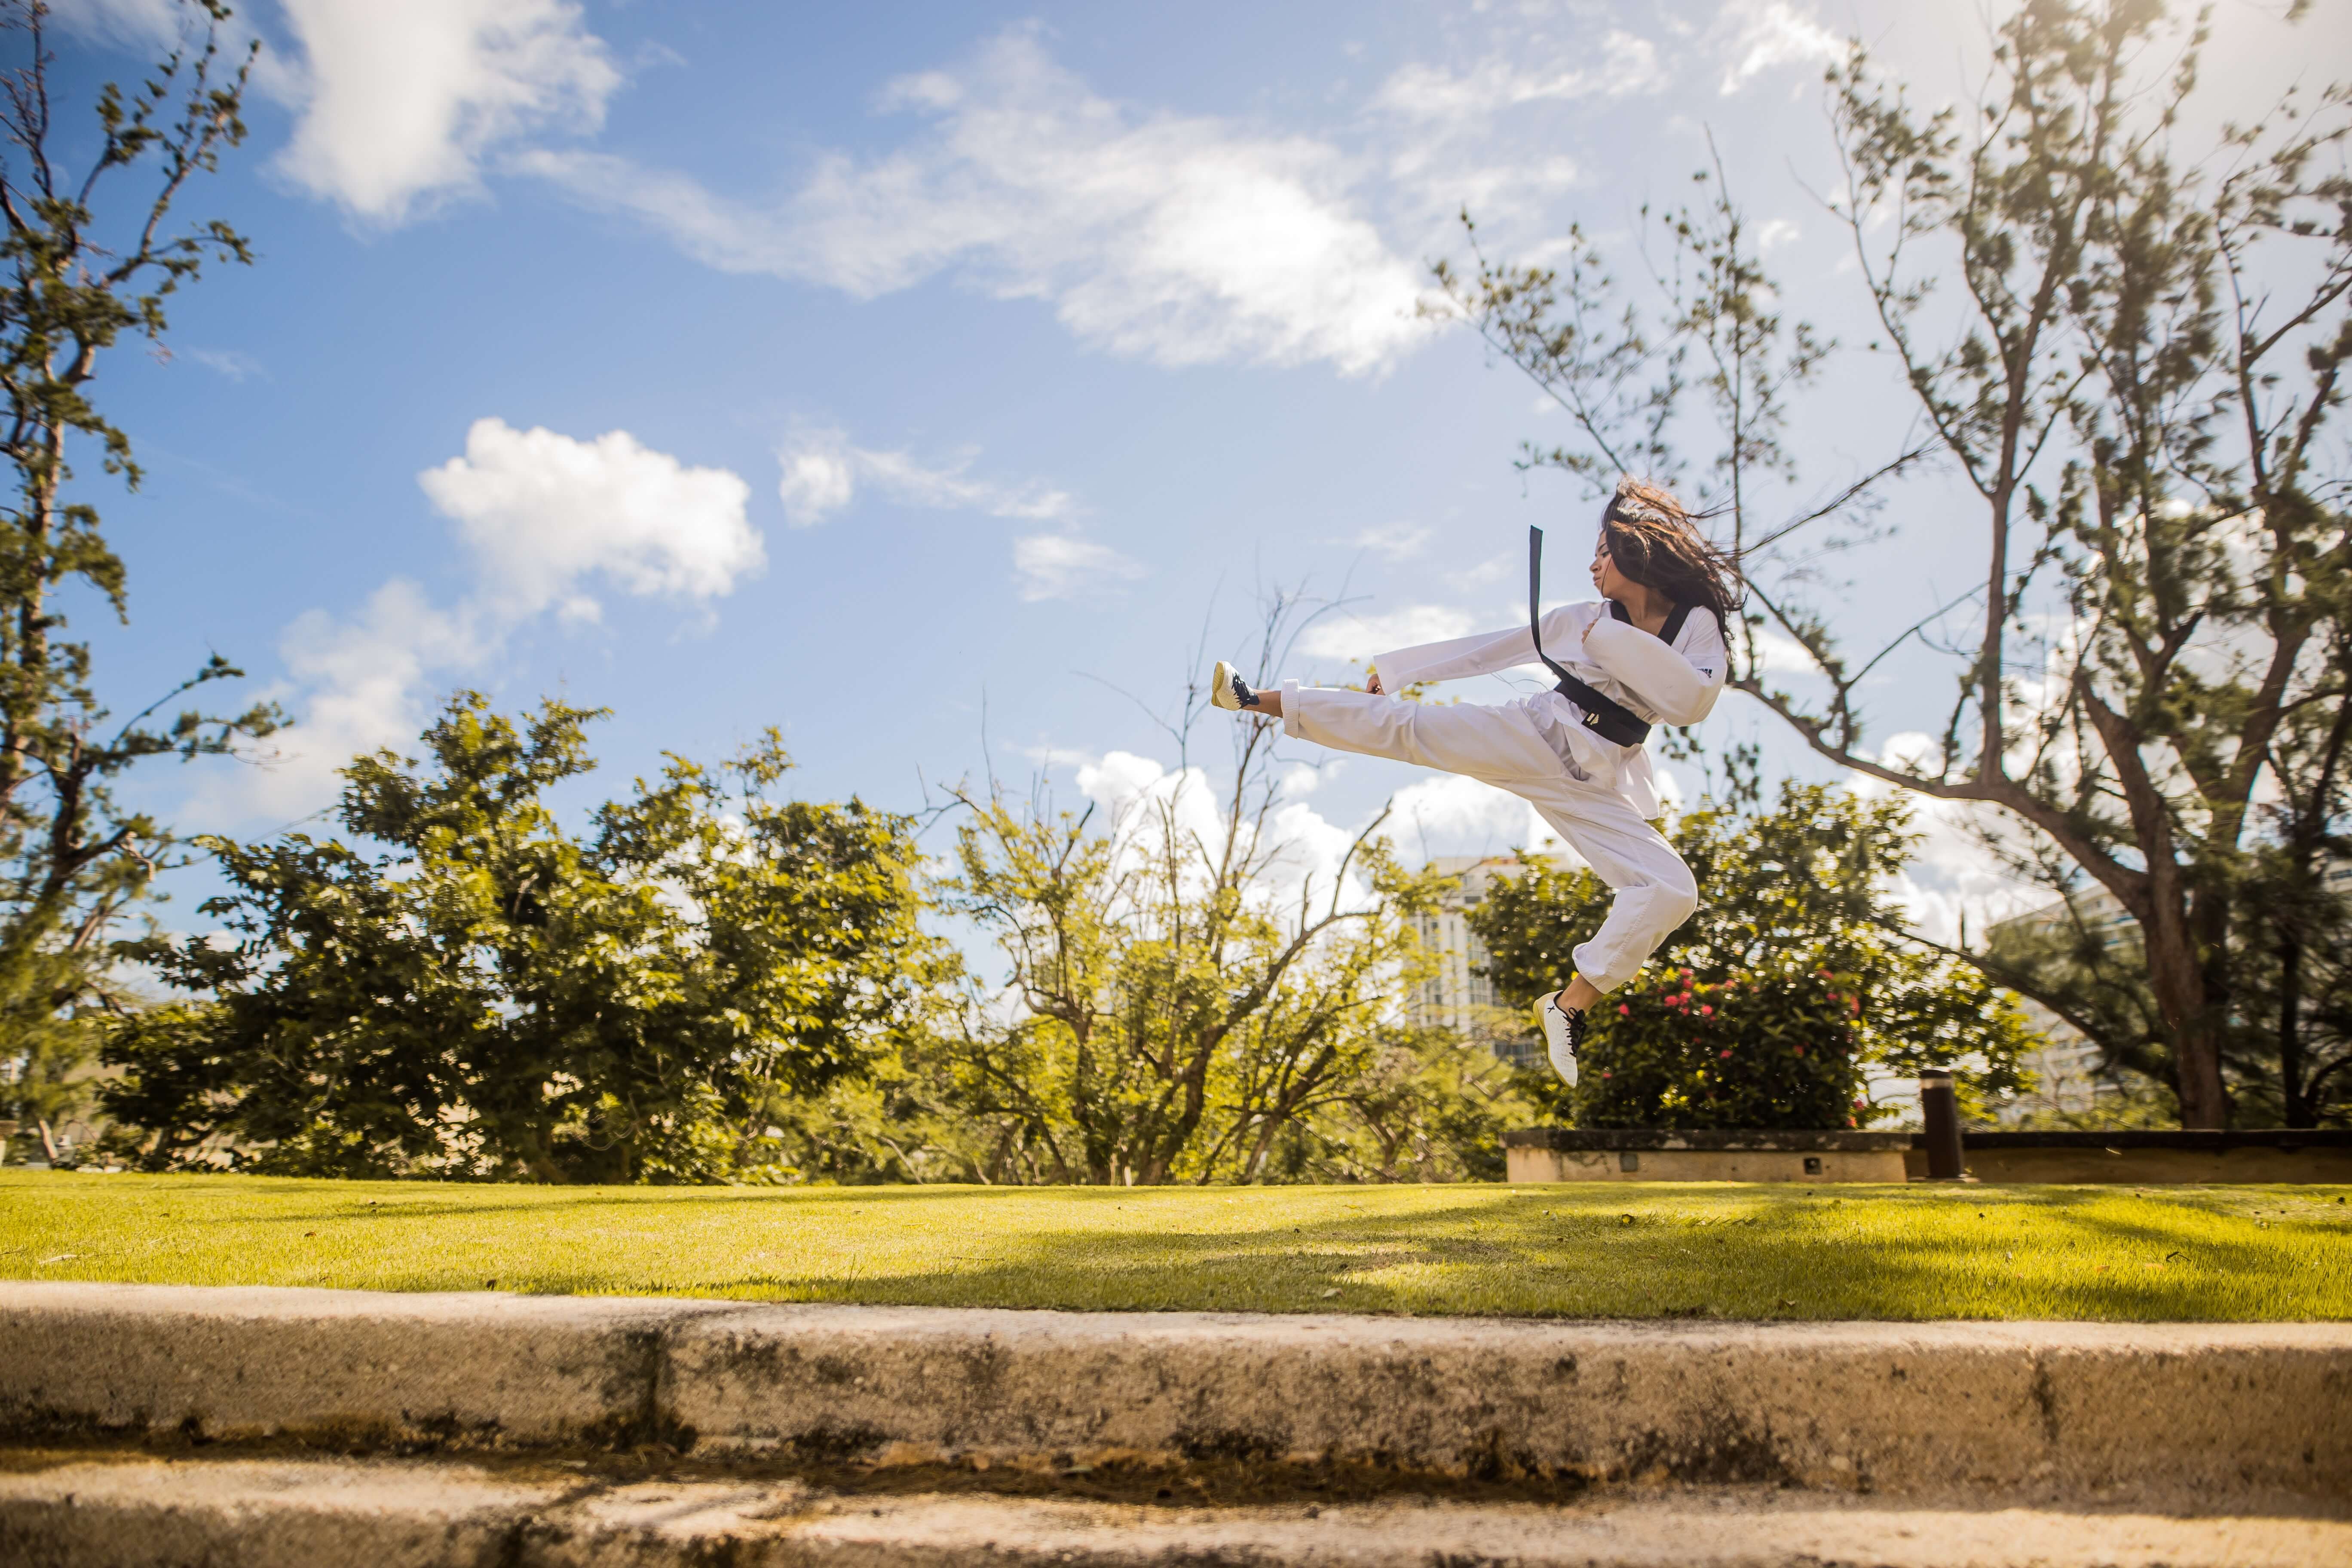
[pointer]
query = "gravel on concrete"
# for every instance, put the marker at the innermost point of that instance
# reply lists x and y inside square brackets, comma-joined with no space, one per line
[279,1513]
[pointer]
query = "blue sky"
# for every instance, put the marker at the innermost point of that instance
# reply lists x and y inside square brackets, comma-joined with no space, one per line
[912,377]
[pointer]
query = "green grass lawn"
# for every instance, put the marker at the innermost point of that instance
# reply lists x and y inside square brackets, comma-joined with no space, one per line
[1631,1250]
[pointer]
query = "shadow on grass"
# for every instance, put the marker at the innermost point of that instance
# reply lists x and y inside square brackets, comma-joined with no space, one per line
[1623,1254]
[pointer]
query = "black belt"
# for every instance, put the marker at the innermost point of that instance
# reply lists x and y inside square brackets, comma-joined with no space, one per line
[1604,716]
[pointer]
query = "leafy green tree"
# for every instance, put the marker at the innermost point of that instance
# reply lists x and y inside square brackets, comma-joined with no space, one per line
[1794,965]
[2295,911]
[2131,358]
[467,989]
[1430,1107]
[76,278]
[1180,990]
[1169,1018]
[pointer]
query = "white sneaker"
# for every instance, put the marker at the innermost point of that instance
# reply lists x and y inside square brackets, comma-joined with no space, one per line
[1228,691]
[1563,1032]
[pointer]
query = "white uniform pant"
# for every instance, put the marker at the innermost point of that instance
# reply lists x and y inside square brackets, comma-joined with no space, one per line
[1506,746]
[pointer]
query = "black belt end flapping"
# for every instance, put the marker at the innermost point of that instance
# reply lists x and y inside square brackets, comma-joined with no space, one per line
[1604,716]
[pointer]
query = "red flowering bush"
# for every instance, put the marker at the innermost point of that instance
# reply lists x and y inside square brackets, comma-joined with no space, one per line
[1765,1007]
[1773,1046]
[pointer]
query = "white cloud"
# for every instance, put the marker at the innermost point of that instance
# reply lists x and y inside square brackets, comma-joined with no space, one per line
[1299,780]
[358,685]
[822,471]
[1438,814]
[1298,847]
[1119,780]
[1449,815]
[1781,654]
[818,478]
[1360,637]
[1625,66]
[140,24]
[1953,878]
[1062,567]
[1397,541]
[1177,240]
[1757,35]
[1451,138]
[158,27]
[231,362]
[542,512]
[401,104]
[541,516]
[1503,567]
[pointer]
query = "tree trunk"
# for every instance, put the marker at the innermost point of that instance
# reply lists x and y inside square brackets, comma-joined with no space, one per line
[2290,1035]
[2178,982]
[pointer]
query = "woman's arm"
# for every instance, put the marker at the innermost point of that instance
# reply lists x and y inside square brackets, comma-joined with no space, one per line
[1486,653]
[1681,686]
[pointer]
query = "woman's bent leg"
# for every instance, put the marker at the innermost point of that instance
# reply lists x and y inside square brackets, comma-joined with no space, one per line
[1655,890]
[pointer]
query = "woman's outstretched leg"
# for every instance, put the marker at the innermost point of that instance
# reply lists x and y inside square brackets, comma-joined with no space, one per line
[1500,746]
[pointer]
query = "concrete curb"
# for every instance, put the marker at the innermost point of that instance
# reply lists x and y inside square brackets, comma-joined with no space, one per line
[2205,1413]
[411,1514]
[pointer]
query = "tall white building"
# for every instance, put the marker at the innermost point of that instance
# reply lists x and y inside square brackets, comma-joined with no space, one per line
[2067,1069]
[1459,997]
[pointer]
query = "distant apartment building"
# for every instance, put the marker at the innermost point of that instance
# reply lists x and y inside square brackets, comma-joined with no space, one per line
[1459,997]
[2067,1069]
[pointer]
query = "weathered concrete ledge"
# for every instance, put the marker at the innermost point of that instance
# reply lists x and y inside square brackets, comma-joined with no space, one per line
[2155,1156]
[2205,1412]
[1706,1155]
[2142,1157]
[298,1514]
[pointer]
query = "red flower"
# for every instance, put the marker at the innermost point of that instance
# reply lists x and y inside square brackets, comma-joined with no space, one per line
[1623,1011]
[1724,1053]
[1604,1072]
[1801,1050]
[1706,1012]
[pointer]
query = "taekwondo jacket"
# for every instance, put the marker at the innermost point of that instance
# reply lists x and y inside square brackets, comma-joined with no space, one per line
[1671,685]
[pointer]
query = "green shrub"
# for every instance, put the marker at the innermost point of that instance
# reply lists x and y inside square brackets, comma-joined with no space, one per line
[1785,893]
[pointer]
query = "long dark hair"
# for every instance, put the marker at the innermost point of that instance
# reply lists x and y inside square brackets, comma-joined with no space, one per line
[1652,540]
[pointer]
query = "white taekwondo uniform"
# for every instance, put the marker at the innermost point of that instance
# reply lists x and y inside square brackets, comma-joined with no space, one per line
[1596,795]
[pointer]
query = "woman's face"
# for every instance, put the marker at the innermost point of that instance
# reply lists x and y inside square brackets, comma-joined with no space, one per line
[1612,584]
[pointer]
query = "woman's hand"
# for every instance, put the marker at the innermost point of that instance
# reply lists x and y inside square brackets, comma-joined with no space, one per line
[1372,683]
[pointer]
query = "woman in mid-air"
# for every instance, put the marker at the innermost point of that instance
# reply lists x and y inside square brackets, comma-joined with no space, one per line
[1652,651]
